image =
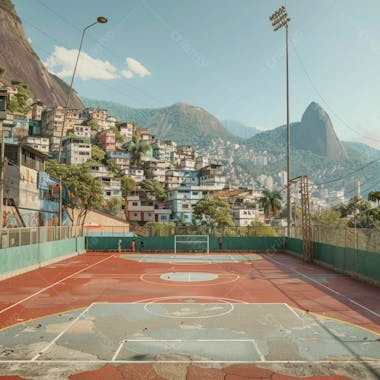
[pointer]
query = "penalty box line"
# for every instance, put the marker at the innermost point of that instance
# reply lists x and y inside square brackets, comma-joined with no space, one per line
[254,344]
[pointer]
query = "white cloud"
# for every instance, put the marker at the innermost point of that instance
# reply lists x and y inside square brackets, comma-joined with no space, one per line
[62,62]
[29,40]
[127,74]
[136,67]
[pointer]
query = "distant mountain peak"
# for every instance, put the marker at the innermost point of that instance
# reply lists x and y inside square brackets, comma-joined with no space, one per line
[316,133]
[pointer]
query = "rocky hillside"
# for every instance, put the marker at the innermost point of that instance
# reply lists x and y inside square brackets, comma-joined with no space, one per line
[19,62]
[316,134]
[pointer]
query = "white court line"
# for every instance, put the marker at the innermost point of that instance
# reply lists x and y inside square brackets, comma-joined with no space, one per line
[118,351]
[60,334]
[262,357]
[52,285]
[233,259]
[64,361]
[293,311]
[325,286]
[142,259]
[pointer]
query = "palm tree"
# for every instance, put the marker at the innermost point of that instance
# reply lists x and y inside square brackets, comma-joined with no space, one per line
[271,202]
[137,148]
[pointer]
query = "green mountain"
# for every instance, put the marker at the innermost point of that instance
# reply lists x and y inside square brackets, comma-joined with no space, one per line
[315,149]
[183,123]
[239,129]
[361,151]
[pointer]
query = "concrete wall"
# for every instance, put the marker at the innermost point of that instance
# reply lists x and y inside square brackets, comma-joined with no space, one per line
[16,260]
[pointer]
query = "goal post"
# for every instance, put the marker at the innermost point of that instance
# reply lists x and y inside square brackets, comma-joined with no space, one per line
[191,243]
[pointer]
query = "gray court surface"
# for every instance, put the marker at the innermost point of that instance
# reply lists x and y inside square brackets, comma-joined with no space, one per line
[191,258]
[188,331]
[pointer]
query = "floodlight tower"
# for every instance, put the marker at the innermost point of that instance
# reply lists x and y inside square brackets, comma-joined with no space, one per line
[281,19]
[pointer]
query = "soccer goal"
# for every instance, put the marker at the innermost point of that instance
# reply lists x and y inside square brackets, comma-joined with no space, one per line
[191,243]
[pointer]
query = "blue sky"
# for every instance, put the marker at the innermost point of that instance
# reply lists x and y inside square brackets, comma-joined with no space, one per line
[221,55]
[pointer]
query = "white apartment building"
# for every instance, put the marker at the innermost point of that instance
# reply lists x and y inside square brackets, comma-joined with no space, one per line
[39,143]
[243,217]
[76,150]
[126,130]
[136,174]
[82,131]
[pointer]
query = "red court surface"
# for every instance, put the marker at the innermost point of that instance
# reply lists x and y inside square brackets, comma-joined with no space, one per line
[93,278]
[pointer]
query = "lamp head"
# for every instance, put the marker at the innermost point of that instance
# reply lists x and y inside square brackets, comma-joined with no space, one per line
[102,20]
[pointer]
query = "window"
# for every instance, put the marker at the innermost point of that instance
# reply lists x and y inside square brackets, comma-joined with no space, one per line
[134,203]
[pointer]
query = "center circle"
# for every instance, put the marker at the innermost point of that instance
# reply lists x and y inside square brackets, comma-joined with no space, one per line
[188,276]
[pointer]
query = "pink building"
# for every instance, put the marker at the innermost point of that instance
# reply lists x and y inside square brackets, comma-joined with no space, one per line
[107,140]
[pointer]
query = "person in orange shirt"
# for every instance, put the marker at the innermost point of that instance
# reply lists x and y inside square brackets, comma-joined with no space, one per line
[132,246]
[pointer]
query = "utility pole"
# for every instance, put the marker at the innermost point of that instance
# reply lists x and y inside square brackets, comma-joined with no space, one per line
[2,170]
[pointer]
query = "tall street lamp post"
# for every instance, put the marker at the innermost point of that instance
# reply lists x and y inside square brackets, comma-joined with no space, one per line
[280,19]
[100,20]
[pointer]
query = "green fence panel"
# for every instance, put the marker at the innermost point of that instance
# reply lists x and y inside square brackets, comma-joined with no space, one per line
[107,243]
[353,261]
[15,259]
[96,243]
[294,245]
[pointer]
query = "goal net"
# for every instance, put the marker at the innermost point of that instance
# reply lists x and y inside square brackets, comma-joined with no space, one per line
[191,243]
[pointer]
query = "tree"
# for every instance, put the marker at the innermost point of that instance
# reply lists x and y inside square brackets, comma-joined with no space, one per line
[128,184]
[374,196]
[329,217]
[97,153]
[271,202]
[85,192]
[118,137]
[137,149]
[114,205]
[213,212]
[93,124]
[20,102]
[115,168]
[154,187]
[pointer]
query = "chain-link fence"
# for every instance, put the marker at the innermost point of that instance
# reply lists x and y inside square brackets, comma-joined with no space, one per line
[170,229]
[15,237]
[365,239]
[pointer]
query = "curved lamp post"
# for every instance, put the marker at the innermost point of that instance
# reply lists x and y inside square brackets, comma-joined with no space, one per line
[280,19]
[99,20]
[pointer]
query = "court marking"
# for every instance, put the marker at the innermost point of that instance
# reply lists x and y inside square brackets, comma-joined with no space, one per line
[325,286]
[233,259]
[361,361]
[189,297]
[114,357]
[260,354]
[233,277]
[323,316]
[60,334]
[230,310]
[52,285]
